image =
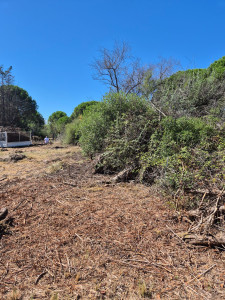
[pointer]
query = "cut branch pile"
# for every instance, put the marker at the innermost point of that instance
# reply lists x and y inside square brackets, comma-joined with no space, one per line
[208,221]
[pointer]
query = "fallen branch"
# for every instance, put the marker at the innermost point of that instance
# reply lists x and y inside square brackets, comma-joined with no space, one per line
[205,240]
[3,178]
[149,263]
[68,183]
[124,175]
[40,276]
[210,192]
[200,275]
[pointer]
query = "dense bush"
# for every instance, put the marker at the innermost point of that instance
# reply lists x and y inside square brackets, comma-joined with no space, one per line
[178,154]
[72,132]
[100,120]
[185,154]
[127,138]
[93,129]
[195,93]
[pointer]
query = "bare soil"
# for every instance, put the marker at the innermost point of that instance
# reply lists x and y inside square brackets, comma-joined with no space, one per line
[74,235]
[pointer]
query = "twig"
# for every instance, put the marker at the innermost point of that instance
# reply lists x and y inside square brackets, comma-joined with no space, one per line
[68,262]
[18,205]
[177,236]
[40,276]
[211,218]
[200,294]
[200,275]
[203,197]
[149,263]
[188,282]
[79,237]
[71,184]
[205,191]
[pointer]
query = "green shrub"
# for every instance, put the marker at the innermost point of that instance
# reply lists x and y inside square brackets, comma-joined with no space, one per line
[193,93]
[93,130]
[184,154]
[72,132]
[100,119]
[127,138]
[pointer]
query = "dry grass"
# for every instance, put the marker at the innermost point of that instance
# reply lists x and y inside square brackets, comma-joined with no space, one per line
[39,158]
[75,236]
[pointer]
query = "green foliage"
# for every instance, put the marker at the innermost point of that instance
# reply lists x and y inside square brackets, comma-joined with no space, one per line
[72,132]
[93,129]
[99,121]
[18,109]
[184,132]
[57,122]
[178,154]
[36,124]
[79,110]
[184,154]
[181,152]
[54,117]
[127,138]
[217,68]
[199,92]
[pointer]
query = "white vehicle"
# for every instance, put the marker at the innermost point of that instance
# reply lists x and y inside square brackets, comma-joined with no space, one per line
[15,139]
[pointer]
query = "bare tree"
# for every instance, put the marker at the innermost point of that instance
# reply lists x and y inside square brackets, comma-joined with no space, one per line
[119,70]
[156,74]
[165,68]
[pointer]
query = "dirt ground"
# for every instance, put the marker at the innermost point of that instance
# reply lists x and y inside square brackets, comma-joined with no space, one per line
[72,234]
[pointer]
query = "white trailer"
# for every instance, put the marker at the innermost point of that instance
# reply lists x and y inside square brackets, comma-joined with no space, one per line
[15,139]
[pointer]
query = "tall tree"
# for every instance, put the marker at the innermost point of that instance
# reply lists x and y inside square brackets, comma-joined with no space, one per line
[57,122]
[79,110]
[119,70]
[6,79]
[17,108]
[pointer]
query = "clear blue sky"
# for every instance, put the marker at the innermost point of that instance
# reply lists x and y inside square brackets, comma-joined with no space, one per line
[51,43]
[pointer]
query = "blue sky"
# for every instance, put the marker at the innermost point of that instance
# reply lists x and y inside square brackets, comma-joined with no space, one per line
[51,43]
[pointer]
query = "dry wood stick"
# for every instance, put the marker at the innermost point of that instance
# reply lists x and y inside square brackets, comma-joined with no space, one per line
[71,184]
[130,265]
[19,204]
[40,276]
[188,282]
[149,263]
[200,275]
[178,237]
[200,294]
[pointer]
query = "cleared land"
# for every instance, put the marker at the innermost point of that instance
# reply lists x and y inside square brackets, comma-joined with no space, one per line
[75,235]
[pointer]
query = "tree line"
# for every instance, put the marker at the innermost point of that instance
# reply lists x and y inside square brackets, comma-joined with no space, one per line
[17,108]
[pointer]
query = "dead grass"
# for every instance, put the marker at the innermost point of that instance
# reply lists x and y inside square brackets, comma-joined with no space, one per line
[77,236]
[39,159]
